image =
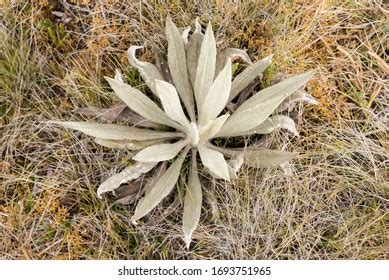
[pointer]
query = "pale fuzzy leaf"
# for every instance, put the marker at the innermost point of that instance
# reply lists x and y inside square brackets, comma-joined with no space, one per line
[197,26]
[117,132]
[242,80]
[216,99]
[193,52]
[258,157]
[272,123]
[118,76]
[132,172]
[192,203]
[258,107]
[160,152]
[128,144]
[299,96]
[185,34]
[161,189]
[140,103]
[228,152]
[231,172]
[178,66]
[242,121]
[233,54]
[206,67]
[193,134]
[214,161]
[261,157]
[212,128]
[234,164]
[148,71]
[171,102]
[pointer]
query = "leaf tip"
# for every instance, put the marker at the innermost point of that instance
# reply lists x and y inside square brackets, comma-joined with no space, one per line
[269,58]
[169,25]
[109,79]
[197,26]
[187,239]
[118,75]
[99,194]
[209,28]
[132,50]
[310,73]
[138,157]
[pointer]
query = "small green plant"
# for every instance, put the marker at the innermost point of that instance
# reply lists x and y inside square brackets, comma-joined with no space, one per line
[201,79]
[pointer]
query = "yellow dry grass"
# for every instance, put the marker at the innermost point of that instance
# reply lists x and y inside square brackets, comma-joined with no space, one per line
[334,204]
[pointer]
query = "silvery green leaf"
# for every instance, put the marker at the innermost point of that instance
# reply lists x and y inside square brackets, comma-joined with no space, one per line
[242,80]
[118,76]
[128,144]
[171,102]
[212,128]
[233,54]
[193,134]
[228,152]
[161,189]
[192,203]
[258,107]
[205,67]
[193,52]
[261,157]
[214,161]
[234,164]
[160,152]
[147,70]
[178,66]
[140,103]
[272,123]
[216,98]
[185,34]
[197,27]
[231,172]
[129,173]
[117,132]
[257,157]
[298,96]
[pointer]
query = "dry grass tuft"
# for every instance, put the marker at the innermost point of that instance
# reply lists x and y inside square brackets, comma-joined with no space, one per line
[334,204]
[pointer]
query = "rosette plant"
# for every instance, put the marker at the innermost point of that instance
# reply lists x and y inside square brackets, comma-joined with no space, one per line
[190,111]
